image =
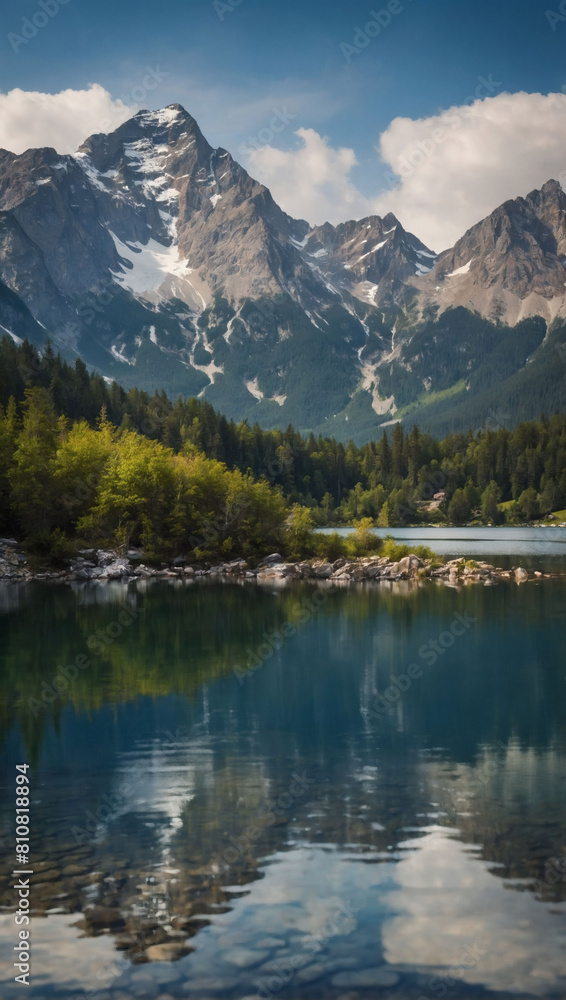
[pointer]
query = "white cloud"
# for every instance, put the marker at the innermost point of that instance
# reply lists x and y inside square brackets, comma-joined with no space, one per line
[311,182]
[29,118]
[484,930]
[64,120]
[446,172]
[459,165]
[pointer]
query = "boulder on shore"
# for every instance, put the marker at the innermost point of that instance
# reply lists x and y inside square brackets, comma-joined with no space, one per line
[108,564]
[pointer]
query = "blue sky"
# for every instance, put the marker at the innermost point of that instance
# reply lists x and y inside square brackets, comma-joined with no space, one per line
[233,68]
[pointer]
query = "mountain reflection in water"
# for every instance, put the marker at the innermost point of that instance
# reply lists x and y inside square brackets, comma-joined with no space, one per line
[196,834]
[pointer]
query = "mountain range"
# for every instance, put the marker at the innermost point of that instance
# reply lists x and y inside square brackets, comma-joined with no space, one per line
[162,264]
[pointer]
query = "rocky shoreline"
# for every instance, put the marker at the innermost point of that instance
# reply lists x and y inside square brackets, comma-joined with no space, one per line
[105,564]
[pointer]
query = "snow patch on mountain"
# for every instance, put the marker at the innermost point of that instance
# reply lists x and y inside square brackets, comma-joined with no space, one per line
[461,270]
[231,322]
[17,340]
[370,383]
[370,291]
[150,264]
[195,290]
[373,250]
[149,161]
[166,116]
[310,316]
[210,370]
[119,355]
[422,268]
[91,172]
[253,387]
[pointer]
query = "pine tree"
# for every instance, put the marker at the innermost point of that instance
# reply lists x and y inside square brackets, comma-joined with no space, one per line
[491,497]
[397,462]
[459,509]
[384,455]
[384,519]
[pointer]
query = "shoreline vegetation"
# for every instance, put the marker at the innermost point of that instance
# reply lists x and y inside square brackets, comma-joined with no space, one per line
[389,562]
[86,467]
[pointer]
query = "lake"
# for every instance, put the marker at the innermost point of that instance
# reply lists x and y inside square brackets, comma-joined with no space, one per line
[540,547]
[270,795]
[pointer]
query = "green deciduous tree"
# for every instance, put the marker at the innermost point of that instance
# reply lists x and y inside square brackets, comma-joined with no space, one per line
[77,468]
[34,495]
[135,494]
[300,527]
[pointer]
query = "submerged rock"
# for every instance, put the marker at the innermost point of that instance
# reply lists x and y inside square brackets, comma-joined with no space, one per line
[169,951]
[380,976]
[103,916]
[244,958]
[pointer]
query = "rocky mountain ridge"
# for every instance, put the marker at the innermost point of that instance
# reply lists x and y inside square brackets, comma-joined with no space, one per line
[509,266]
[162,263]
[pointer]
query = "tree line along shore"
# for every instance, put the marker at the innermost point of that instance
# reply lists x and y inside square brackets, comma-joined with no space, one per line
[86,464]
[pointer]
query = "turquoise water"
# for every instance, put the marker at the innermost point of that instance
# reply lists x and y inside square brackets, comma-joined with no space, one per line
[356,796]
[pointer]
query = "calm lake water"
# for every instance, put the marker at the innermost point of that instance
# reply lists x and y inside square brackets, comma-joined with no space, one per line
[301,838]
[536,545]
